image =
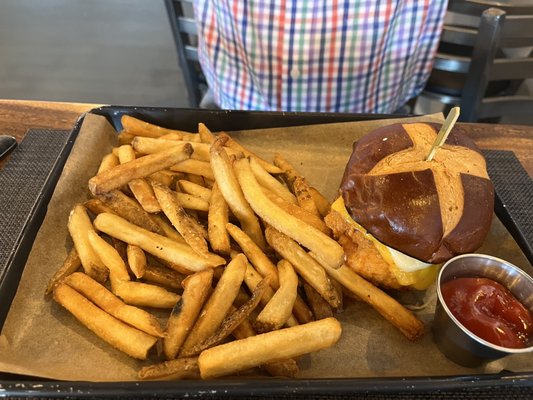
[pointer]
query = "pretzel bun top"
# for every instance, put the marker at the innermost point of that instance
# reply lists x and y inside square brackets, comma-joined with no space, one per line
[430,210]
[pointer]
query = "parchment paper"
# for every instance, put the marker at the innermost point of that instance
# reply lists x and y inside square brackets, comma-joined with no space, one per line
[40,338]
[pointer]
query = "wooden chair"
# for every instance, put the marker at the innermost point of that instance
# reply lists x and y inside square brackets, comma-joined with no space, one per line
[471,68]
[180,13]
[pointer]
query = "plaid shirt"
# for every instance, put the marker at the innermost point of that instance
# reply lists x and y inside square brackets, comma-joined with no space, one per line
[363,56]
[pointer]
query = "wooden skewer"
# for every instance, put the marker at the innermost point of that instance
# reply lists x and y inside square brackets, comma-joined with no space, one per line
[444,132]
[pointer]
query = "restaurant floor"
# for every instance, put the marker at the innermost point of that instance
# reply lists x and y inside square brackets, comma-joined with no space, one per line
[98,51]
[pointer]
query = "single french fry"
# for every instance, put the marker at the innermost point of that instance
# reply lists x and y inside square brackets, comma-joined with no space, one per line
[167,229]
[219,303]
[283,368]
[181,368]
[163,276]
[298,212]
[303,195]
[205,134]
[196,289]
[185,136]
[269,182]
[161,177]
[217,218]
[238,148]
[191,166]
[253,351]
[254,254]
[321,308]
[308,268]
[130,210]
[130,340]
[234,319]
[159,246]
[198,179]
[145,295]
[322,204]
[145,145]
[389,308]
[140,188]
[195,190]
[71,264]
[289,172]
[97,206]
[79,227]
[137,127]
[139,168]
[279,308]
[188,227]
[124,138]
[136,260]
[111,258]
[108,161]
[327,249]
[111,304]
[191,202]
[229,186]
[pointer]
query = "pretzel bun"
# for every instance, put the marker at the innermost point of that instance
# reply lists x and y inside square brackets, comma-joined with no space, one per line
[429,210]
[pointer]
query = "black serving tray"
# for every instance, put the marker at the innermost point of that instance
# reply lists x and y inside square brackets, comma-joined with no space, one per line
[490,386]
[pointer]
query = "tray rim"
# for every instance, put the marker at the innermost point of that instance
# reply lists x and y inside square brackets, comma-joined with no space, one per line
[22,385]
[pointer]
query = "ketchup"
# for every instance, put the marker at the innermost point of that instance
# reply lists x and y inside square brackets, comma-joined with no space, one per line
[489,310]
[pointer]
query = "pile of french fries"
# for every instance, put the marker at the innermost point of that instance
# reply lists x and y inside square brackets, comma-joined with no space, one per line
[233,246]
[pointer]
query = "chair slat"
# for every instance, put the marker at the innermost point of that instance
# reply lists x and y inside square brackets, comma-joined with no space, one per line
[458,35]
[451,63]
[511,68]
[187,25]
[505,105]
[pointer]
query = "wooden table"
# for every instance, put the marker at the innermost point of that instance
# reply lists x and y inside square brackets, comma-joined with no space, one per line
[17,116]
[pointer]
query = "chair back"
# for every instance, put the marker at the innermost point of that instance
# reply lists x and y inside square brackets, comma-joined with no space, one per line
[474,66]
[185,33]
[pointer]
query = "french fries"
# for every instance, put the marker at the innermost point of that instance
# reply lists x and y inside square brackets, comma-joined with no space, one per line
[325,248]
[161,204]
[253,351]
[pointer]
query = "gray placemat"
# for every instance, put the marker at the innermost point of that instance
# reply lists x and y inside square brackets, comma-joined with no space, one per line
[514,197]
[26,185]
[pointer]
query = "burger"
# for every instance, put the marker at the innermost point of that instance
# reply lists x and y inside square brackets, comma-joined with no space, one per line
[399,216]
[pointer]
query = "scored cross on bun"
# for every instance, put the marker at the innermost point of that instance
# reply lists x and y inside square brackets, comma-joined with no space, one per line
[428,211]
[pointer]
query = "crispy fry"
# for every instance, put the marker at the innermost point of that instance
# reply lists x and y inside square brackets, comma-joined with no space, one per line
[217,218]
[163,276]
[269,182]
[191,166]
[120,335]
[186,136]
[229,186]
[283,368]
[205,134]
[71,264]
[321,308]
[124,138]
[196,289]
[111,304]
[322,204]
[140,188]
[289,172]
[279,308]
[167,229]
[272,346]
[303,195]
[130,210]
[254,254]
[79,227]
[388,307]
[219,303]
[195,189]
[145,295]
[111,259]
[238,148]
[162,177]
[137,127]
[234,319]
[308,268]
[109,161]
[188,227]
[181,368]
[145,145]
[159,246]
[139,168]
[97,206]
[136,260]
[191,202]
[327,249]
[298,212]
[198,179]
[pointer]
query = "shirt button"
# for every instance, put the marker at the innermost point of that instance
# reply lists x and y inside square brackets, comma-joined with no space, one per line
[295,73]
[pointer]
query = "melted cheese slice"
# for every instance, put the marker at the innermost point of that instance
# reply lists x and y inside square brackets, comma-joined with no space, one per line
[408,270]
